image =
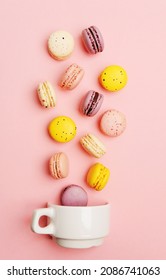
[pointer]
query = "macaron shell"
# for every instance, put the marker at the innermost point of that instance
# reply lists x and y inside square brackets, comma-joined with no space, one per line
[60,45]
[59,166]
[92,103]
[46,94]
[113,123]
[88,42]
[74,195]
[113,78]
[72,77]
[98,176]
[63,165]
[62,129]
[92,145]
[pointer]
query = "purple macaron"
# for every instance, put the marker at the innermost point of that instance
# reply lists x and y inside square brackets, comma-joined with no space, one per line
[91,103]
[93,40]
[74,195]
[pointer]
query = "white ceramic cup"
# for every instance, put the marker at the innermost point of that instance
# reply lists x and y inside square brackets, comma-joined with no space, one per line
[74,226]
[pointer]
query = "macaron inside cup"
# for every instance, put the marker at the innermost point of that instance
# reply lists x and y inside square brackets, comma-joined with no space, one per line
[113,123]
[72,77]
[91,103]
[60,45]
[113,78]
[74,195]
[93,40]
[62,129]
[59,166]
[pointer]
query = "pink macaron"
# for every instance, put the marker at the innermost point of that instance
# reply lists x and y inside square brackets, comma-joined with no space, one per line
[91,103]
[72,77]
[113,123]
[74,195]
[59,166]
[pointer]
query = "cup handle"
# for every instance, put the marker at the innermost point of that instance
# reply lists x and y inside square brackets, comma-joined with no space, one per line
[37,214]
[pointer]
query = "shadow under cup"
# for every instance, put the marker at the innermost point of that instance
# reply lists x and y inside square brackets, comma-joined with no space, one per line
[74,226]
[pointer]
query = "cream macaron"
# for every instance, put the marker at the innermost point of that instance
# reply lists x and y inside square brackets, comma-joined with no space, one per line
[92,145]
[46,94]
[60,45]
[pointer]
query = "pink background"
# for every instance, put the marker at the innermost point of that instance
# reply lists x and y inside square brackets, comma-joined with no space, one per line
[135,38]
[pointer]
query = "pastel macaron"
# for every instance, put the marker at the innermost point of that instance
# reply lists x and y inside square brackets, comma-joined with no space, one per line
[62,129]
[59,166]
[60,45]
[74,195]
[92,145]
[113,78]
[91,103]
[93,40]
[46,94]
[72,77]
[113,123]
[98,176]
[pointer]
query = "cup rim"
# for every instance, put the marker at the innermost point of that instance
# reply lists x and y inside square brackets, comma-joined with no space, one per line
[106,204]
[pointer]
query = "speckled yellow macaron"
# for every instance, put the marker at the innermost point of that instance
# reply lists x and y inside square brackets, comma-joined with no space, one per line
[62,129]
[113,78]
[98,176]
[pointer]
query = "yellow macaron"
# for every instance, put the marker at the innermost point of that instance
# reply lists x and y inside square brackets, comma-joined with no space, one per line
[62,129]
[97,176]
[113,78]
